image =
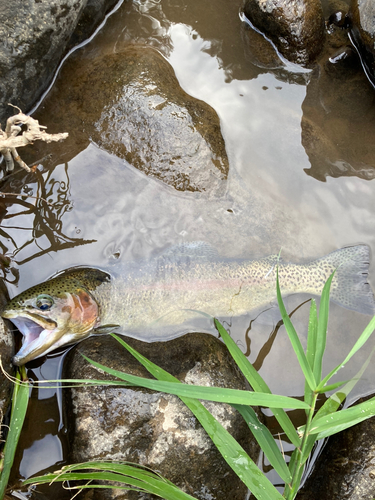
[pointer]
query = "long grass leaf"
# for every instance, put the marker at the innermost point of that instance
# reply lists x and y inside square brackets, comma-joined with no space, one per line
[257,383]
[332,387]
[337,422]
[218,394]
[311,348]
[295,341]
[293,463]
[321,338]
[266,441]
[120,467]
[230,449]
[312,333]
[19,407]
[335,400]
[131,480]
[367,332]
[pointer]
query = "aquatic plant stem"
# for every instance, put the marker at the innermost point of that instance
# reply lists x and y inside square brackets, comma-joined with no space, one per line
[301,453]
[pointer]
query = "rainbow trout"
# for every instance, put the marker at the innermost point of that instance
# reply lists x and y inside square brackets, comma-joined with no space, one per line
[152,300]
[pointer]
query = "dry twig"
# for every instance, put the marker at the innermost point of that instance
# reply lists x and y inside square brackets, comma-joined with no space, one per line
[10,138]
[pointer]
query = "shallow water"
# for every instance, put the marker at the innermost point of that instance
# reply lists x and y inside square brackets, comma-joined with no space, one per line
[280,194]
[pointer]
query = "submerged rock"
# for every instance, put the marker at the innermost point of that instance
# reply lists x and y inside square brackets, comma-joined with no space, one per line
[296,27]
[152,428]
[335,135]
[131,104]
[346,467]
[362,34]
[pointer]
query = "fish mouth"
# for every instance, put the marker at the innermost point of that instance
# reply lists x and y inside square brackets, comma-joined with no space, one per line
[39,335]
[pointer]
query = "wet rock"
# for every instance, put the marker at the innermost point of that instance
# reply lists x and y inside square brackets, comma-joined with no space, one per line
[335,133]
[258,50]
[362,34]
[296,27]
[34,36]
[344,63]
[346,467]
[131,104]
[6,354]
[152,428]
[337,22]
[92,15]
[339,19]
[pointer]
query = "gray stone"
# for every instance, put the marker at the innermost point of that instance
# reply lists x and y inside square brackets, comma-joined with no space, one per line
[362,34]
[155,429]
[296,27]
[131,104]
[34,36]
[346,467]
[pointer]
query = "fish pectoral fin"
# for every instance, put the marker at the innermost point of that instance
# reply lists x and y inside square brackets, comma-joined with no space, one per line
[104,329]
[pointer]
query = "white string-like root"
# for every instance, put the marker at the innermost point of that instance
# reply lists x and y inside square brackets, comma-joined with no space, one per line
[10,139]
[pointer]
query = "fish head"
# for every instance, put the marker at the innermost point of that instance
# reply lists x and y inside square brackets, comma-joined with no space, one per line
[55,313]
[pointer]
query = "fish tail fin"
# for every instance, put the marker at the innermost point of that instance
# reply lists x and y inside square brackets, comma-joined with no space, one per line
[350,287]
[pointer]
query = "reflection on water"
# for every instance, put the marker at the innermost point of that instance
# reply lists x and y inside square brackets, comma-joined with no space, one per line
[43,442]
[94,208]
[32,223]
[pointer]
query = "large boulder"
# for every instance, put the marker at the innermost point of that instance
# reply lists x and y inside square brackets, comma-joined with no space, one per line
[131,104]
[34,36]
[296,27]
[152,428]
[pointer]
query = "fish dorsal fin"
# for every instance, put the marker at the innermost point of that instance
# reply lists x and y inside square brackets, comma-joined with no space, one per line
[90,277]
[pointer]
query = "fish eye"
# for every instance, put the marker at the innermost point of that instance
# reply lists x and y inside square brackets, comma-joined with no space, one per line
[44,302]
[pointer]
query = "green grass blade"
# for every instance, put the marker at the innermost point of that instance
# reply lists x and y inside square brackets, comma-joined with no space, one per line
[337,422]
[332,387]
[295,341]
[218,394]
[311,348]
[334,401]
[131,478]
[266,441]
[292,465]
[257,383]
[19,407]
[232,452]
[321,339]
[367,332]
[312,334]
[119,467]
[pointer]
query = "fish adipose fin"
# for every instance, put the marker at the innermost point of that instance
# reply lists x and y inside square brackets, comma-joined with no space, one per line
[350,287]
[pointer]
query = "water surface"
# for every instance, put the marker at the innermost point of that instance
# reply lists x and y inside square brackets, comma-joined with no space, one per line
[280,194]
